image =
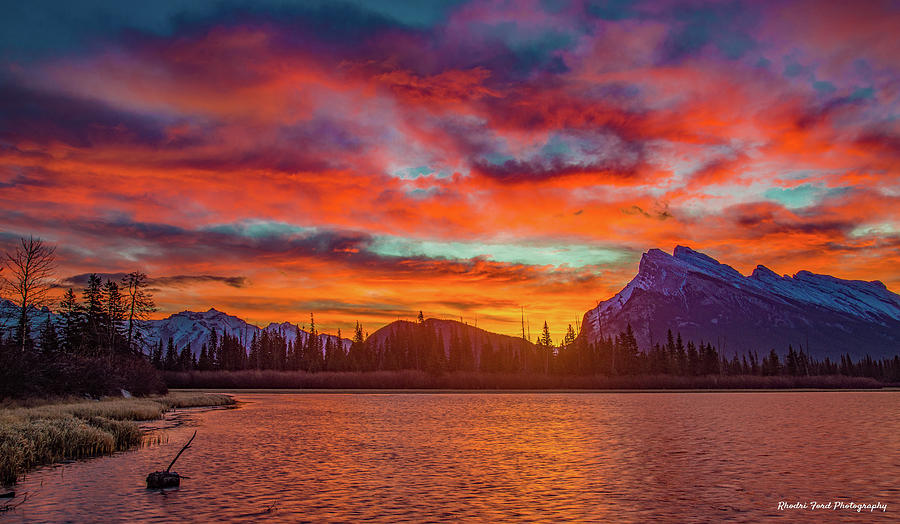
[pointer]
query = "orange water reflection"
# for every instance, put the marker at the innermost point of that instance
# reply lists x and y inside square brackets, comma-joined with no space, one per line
[500,457]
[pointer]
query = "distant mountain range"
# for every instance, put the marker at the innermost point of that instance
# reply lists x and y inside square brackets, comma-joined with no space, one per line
[692,293]
[688,292]
[189,327]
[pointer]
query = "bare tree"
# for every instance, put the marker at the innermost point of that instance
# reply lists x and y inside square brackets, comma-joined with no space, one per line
[138,303]
[30,277]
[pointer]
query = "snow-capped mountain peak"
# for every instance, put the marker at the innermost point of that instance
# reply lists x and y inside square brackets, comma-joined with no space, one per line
[699,294]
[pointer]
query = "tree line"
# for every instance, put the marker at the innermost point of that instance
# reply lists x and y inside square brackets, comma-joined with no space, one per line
[96,347]
[100,343]
[420,346]
[305,351]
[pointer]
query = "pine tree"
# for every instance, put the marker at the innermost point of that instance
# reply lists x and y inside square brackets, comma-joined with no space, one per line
[93,315]
[628,349]
[570,336]
[681,356]
[545,347]
[340,356]
[710,360]
[329,355]
[545,339]
[185,358]
[792,362]
[313,347]
[672,354]
[693,359]
[771,364]
[114,315]
[157,358]
[358,354]
[215,359]
[253,359]
[171,359]
[70,313]
[49,340]
[204,363]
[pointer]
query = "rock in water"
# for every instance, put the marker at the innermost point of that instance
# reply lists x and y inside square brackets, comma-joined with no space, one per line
[163,479]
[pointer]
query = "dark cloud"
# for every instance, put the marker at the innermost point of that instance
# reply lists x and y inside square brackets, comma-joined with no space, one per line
[52,26]
[695,27]
[822,112]
[530,171]
[171,281]
[760,220]
[27,176]
[612,9]
[185,280]
[883,142]
[81,280]
[239,243]
[49,117]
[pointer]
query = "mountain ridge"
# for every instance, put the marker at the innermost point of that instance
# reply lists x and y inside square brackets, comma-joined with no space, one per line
[693,293]
[687,292]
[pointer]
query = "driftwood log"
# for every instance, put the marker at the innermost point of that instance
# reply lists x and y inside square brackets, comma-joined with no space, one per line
[168,479]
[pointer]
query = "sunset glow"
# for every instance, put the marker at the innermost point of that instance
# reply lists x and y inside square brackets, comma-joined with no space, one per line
[366,161]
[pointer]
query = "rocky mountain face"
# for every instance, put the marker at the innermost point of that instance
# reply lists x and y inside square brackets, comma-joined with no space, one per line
[692,293]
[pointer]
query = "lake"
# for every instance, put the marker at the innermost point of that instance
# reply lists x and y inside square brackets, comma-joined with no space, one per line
[489,457]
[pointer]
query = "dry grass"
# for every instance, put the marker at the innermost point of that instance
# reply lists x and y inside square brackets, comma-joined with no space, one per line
[31,436]
[193,400]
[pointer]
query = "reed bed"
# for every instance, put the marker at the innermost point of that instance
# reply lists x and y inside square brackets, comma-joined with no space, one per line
[33,436]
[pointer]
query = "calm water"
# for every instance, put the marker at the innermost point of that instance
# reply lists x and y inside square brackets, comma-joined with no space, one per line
[500,457]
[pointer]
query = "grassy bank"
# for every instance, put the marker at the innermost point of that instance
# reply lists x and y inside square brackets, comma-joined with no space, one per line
[408,379]
[32,436]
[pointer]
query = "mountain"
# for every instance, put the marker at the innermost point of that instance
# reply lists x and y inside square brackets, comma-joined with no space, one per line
[187,327]
[195,328]
[9,317]
[692,293]
[445,329]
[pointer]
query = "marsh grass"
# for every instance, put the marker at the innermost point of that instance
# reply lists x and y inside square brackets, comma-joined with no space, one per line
[31,436]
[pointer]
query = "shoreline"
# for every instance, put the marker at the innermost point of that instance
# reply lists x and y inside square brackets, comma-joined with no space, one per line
[412,391]
[413,380]
[52,433]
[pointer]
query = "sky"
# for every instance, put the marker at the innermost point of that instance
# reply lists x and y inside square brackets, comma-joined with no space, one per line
[366,160]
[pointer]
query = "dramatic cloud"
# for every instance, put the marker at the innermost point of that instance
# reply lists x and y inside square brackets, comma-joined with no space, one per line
[365,160]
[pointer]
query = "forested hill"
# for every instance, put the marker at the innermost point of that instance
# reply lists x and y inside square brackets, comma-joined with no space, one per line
[464,346]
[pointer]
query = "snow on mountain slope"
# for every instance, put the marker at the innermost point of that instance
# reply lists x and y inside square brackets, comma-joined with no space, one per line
[292,333]
[691,292]
[189,327]
[9,318]
[194,328]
